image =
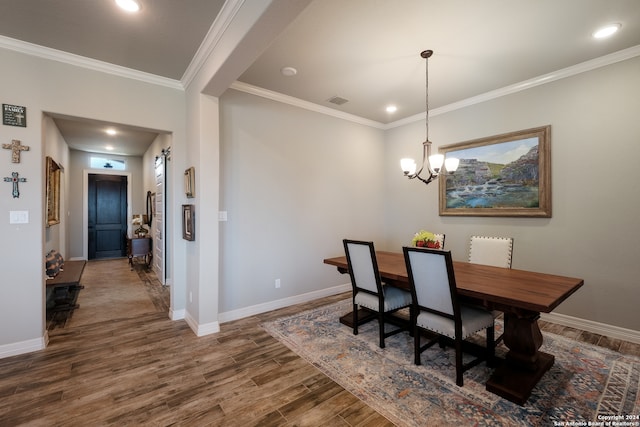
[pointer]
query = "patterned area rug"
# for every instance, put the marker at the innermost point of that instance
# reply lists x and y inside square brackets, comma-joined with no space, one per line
[586,382]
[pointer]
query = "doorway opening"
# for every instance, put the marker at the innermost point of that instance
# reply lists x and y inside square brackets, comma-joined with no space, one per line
[109,180]
[107,216]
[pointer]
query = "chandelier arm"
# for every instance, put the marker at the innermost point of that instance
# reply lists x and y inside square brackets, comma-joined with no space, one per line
[426,153]
[427,180]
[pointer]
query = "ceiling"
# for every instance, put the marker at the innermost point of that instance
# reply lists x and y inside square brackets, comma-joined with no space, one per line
[365,51]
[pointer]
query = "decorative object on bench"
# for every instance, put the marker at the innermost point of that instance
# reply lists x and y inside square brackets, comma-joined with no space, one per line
[54,263]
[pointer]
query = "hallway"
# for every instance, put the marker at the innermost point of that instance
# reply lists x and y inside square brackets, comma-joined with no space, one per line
[112,290]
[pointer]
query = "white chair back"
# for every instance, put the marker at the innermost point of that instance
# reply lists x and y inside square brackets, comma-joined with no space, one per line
[495,251]
[361,262]
[431,280]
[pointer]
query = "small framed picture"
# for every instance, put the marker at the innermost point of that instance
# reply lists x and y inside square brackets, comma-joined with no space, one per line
[188,222]
[14,115]
[190,182]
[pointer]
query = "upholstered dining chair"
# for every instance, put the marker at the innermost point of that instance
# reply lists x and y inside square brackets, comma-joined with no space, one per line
[368,290]
[436,308]
[495,251]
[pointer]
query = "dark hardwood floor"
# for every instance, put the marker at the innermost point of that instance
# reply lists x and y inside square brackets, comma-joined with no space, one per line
[144,369]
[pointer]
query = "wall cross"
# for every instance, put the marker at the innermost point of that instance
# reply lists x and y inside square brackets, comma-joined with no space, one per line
[16,147]
[19,118]
[15,180]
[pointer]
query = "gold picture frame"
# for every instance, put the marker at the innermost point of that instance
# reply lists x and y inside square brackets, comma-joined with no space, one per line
[502,175]
[52,192]
[190,182]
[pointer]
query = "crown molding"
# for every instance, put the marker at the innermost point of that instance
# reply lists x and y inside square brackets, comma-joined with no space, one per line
[211,40]
[297,102]
[223,20]
[582,67]
[84,62]
[487,96]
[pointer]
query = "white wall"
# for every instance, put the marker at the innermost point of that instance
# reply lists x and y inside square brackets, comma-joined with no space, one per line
[294,184]
[594,231]
[44,85]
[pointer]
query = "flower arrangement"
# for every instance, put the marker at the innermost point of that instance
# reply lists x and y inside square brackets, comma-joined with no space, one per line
[425,239]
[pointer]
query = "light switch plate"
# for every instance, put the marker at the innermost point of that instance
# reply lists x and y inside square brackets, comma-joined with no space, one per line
[18,217]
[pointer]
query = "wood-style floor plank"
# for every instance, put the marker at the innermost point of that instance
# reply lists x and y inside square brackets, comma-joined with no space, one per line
[116,368]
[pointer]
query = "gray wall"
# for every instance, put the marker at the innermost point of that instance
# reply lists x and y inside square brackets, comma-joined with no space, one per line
[49,86]
[294,184]
[594,231]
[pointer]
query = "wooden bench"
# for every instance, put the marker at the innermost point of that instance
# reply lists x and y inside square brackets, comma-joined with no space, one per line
[62,290]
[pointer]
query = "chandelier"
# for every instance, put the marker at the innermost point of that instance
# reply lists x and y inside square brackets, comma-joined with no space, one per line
[431,164]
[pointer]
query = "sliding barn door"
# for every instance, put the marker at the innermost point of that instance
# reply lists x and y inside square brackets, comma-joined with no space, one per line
[159,250]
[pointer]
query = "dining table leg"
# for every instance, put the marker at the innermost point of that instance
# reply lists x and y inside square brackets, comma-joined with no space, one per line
[524,364]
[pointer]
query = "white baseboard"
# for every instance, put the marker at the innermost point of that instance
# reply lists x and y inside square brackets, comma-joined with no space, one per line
[594,327]
[22,347]
[176,314]
[241,313]
[201,330]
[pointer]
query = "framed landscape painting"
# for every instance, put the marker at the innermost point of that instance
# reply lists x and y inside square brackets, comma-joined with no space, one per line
[502,175]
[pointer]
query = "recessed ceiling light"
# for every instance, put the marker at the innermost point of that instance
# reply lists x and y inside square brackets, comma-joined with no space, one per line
[109,147]
[606,31]
[391,109]
[111,131]
[288,71]
[128,5]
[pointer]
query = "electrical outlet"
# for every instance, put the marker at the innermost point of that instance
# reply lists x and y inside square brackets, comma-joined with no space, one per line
[277,283]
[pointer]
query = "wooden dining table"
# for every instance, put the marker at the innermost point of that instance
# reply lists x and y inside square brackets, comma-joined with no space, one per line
[520,295]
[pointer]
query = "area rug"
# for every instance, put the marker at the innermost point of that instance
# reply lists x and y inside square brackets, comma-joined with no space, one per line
[586,383]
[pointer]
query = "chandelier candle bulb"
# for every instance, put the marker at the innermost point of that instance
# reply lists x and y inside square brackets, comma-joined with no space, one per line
[451,164]
[408,166]
[436,161]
